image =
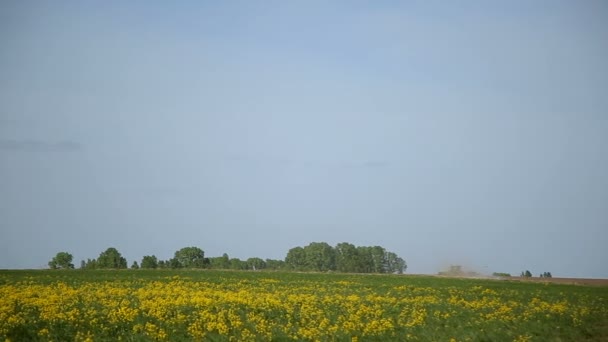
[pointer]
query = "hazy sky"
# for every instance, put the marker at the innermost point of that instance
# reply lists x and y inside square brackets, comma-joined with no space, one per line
[473,133]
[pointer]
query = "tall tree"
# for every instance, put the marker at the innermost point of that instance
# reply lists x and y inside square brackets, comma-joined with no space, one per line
[91,264]
[149,261]
[379,259]
[275,264]
[296,259]
[237,264]
[220,263]
[347,257]
[111,258]
[366,260]
[320,256]
[256,264]
[190,257]
[224,261]
[63,260]
[394,263]
[174,263]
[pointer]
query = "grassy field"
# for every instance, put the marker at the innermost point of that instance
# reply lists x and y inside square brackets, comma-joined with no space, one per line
[139,305]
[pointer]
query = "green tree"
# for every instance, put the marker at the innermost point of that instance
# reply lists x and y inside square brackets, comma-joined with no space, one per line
[275,264]
[149,262]
[91,264]
[501,274]
[220,263]
[379,262]
[296,259]
[527,274]
[256,264]
[223,262]
[237,264]
[347,257]
[215,263]
[190,257]
[174,263]
[63,260]
[320,257]
[111,258]
[366,259]
[372,259]
[394,264]
[135,266]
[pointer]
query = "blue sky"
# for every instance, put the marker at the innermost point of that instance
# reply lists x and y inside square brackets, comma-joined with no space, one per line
[471,133]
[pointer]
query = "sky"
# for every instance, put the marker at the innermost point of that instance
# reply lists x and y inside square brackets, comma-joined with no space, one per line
[471,132]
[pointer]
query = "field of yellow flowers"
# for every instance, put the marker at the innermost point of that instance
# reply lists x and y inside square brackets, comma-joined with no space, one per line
[139,305]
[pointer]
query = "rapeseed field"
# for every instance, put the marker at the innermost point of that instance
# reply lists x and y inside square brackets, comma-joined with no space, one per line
[140,305]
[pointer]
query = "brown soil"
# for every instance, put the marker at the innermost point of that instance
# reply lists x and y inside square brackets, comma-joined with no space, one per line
[573,281]
[570,281]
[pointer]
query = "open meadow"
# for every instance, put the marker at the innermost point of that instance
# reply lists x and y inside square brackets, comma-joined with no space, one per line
[165,305]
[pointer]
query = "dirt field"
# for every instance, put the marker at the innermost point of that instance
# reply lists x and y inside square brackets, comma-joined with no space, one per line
[573,281]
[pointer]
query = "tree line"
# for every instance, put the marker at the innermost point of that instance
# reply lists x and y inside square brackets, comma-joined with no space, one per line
[344,257]
[528,274]
[316,256]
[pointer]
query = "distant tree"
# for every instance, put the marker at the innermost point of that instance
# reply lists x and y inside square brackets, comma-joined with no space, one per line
[220,263]
[394,264]
[111,258]
[135,266]
[91,264]
[149,261]
[347,257]
[225,261]
[296,259]
[237,264]
[63,260]
[190,257]
[255,264]
[344,257]
[546,275]
[162,264]
[320,256]
[501,274]
[275,264]
[83,264]
[174,263]
[378,255]
[401,265]
[366,259]
[215,263]
[528,274]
